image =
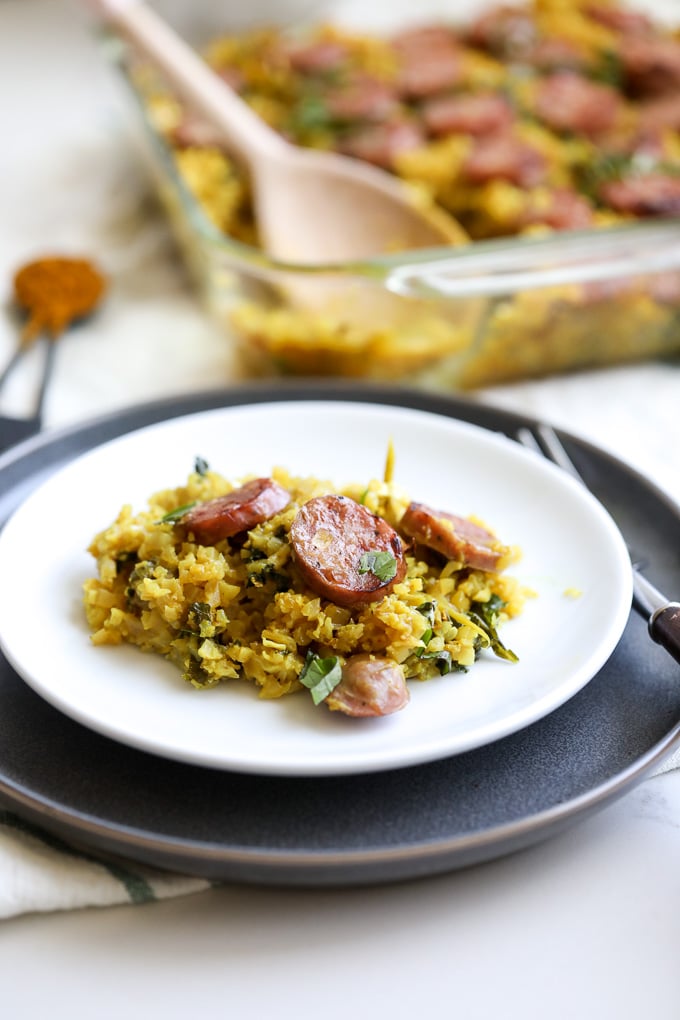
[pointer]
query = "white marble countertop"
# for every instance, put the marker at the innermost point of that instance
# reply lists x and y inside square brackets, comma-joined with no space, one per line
[585,925]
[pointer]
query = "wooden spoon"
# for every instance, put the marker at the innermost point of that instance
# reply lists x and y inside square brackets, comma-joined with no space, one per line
[311,207]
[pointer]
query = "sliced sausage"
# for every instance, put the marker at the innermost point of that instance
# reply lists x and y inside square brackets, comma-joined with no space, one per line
[238,511]
[654,194]
[568,102]
[564,210]
[507,31]
[428,67]
[455,537]
[319,57]
[504,157]
[371,686]
[361,98]
[554,54]
[192,132]
[380,144]
[619,19]
[659,114]
[468,114]
[423,37]
[651,65]
[332,537]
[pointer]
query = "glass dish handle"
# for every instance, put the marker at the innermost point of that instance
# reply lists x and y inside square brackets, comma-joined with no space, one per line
[495,268]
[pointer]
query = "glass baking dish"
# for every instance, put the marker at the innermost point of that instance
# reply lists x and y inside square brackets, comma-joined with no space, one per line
[487,312]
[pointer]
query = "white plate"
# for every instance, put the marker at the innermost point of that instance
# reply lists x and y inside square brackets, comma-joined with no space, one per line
[568,541]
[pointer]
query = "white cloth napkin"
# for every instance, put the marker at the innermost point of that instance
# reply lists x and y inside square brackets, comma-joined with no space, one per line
[40,873]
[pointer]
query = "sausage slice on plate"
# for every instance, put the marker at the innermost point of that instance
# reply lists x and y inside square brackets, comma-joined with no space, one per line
[238,511]
[371,685]
[345,553]
[454,537]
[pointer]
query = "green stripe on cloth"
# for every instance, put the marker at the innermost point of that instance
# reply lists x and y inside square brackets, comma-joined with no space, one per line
[135,885]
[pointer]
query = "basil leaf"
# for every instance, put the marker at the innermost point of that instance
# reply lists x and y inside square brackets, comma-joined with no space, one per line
[321,676]
[382,564]
[201,466]
[177,513]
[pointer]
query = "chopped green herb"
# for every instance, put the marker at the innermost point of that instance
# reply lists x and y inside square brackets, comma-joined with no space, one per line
[194,673]
[200,619]
[444,663]
[427,610]
[177,513]
[310,114]
[251,555]
[487,619]
[321,676]
[609,166]
[609,71]
[201,466]
[380,563]
[259,576]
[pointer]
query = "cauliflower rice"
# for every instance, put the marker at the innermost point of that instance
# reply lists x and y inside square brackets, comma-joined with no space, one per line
[239,610]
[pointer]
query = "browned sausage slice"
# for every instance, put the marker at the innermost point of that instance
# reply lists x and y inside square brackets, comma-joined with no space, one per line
[649,195]
[240,510]
[661,113]
[469,114]
[506,30]
[504,157]
[381,143]
[568,102]
[318,57]
[620,20]
[361,97]
[429,62]
[454,537]
[333,539]
[651,65]
[564,209]
[371,686]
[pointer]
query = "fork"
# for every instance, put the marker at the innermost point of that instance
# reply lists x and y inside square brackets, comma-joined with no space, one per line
[14,430]
[662,615]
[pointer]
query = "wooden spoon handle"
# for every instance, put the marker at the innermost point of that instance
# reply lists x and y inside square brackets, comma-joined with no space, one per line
[246,135]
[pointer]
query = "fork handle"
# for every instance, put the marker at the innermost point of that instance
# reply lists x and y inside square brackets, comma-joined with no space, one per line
[664,627]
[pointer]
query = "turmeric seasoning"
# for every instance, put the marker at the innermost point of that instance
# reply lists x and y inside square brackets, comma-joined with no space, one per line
[55,291]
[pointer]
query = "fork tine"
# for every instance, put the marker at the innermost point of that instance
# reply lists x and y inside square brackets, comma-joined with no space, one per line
[556,449]
[544,441]
[527,438]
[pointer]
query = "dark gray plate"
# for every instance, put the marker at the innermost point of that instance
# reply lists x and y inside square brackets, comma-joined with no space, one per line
[354,829]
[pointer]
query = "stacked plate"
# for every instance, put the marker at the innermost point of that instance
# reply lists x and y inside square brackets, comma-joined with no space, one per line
[109,748]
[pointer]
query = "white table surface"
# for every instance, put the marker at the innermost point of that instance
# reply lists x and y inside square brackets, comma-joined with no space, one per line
[585,925]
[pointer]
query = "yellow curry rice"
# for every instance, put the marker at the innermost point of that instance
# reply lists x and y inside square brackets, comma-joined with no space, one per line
[239,609]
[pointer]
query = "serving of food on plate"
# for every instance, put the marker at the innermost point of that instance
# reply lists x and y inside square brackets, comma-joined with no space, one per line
[530,119]
[286,594]
[290,583]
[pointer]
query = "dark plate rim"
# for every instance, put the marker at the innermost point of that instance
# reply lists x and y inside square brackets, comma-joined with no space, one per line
[170,851]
